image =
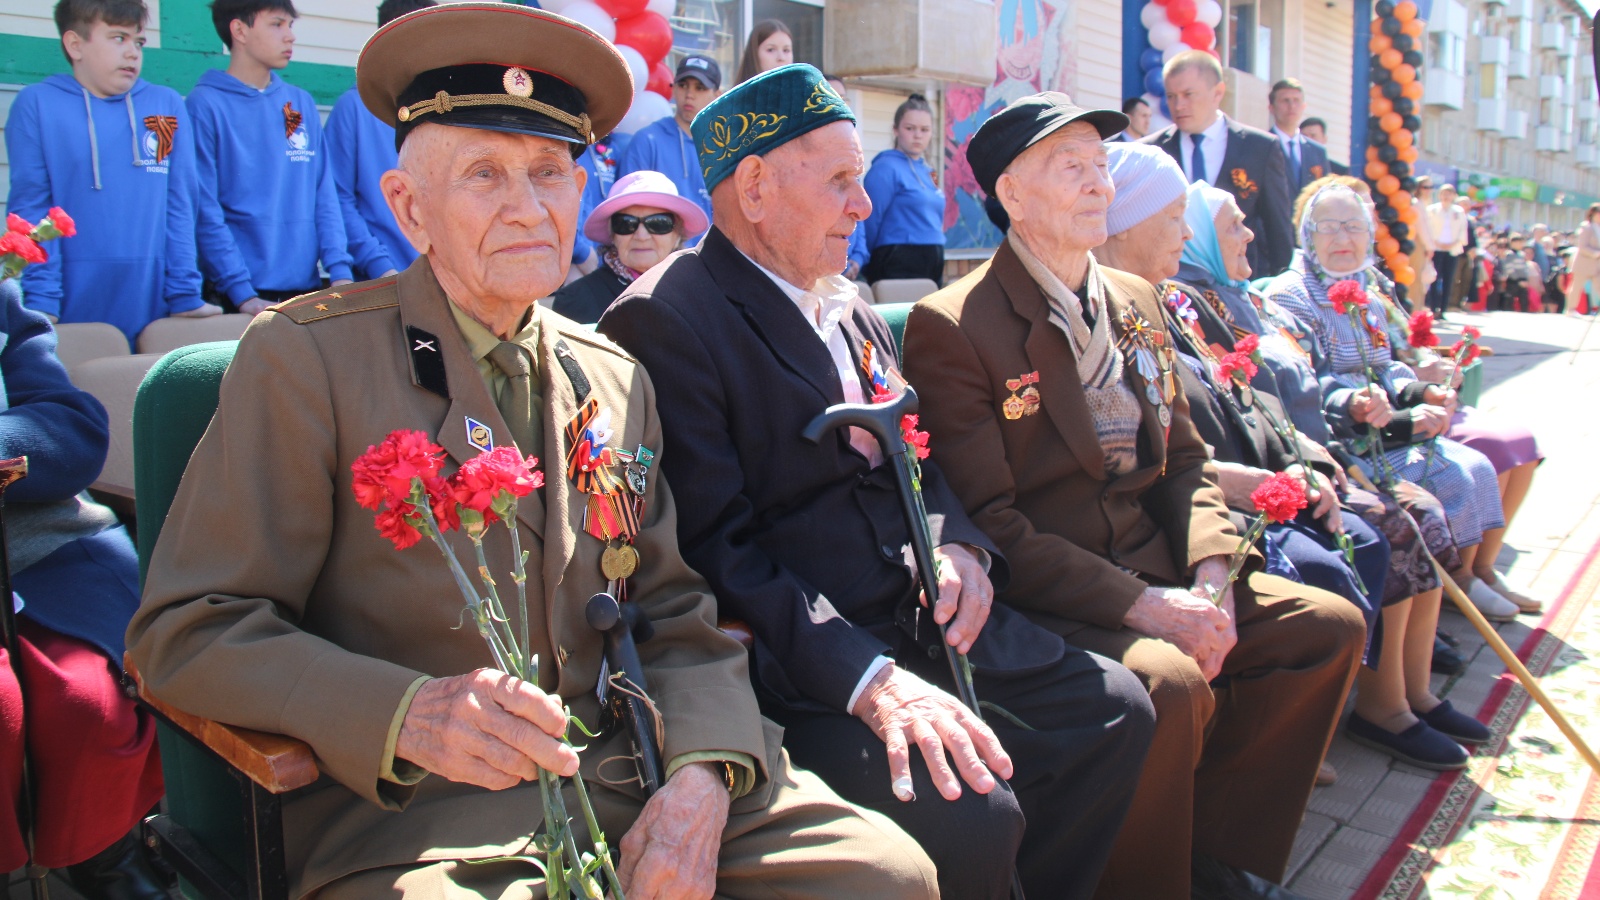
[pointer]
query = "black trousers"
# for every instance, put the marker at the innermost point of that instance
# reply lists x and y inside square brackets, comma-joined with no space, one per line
[1073,781]
[1439,292]
[905,261]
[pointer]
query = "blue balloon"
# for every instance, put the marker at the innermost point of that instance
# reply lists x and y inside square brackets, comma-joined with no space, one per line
[1153,83]
[1165,109]
[1150,59]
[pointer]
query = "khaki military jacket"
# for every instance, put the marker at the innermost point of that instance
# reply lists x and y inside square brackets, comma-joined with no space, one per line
[273,603]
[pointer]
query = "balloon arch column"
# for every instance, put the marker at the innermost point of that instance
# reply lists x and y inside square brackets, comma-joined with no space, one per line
[1396,100]
[643,34]
[1173,26]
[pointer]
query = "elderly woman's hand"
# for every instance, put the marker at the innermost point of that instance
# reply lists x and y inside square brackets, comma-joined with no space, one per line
[1370,405]
[1433,368]
[1442,396]
[1428,421]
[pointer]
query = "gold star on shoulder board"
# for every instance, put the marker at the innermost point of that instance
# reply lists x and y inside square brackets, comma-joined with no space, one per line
[322,307]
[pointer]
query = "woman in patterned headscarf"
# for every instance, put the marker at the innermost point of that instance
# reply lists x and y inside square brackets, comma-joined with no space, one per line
[1407,416]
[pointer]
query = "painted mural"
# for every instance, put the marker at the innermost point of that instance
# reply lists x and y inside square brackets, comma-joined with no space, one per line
[1035,54]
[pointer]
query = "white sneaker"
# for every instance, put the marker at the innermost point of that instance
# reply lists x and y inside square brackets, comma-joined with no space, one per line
[1494,607]
[1525,604]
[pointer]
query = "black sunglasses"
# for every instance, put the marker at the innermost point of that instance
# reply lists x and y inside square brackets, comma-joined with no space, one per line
[655,223]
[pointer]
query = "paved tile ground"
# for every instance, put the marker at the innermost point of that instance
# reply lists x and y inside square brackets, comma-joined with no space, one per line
[1535,377]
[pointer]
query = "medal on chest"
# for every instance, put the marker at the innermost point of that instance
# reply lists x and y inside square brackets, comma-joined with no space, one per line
[615,481]
[1027,402]
[1150,358]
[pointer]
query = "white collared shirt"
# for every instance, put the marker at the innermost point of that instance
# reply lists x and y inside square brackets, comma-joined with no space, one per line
[1214,146]
[1293,147]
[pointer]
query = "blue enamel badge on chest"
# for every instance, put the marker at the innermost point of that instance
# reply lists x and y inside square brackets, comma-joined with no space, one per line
[479,436]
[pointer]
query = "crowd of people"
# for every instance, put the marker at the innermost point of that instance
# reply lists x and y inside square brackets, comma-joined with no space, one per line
[1174,323]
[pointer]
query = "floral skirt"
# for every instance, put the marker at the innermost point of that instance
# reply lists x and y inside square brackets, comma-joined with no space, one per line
[1464,481]
[1410,572]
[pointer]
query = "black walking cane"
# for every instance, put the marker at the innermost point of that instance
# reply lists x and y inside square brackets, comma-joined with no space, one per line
[12,471]
[623,625]
[882,421]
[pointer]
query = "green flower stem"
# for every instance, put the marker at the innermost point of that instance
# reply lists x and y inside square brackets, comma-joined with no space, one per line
[475,603]
[1240,554]
[597,837]
[520,576]
[497,617]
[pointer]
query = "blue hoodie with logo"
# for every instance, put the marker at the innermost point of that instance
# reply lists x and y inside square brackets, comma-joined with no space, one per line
[267,208]
[663,147]
[360,150]
[124,168]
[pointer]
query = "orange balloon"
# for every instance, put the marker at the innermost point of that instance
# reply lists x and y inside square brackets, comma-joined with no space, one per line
[1412,28]
[1405,10]
[1372,154]
[1411,90]
[1408,213]
[1388,246]
[1408,154]
[1380,105]
[1376,169]
[1390,122]
[1405,275]
[1400,139]
[1388,184]
[1379,43]
[1405,73]
[1391,58]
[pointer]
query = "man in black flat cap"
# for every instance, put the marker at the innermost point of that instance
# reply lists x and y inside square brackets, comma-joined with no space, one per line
[748,338]
[273,603]
[1047,381]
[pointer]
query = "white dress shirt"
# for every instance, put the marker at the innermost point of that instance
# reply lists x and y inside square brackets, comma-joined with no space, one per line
[1449,227]
[1214,146]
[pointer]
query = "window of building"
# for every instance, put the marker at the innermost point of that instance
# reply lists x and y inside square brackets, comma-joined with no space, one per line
[804,20]
[1249,40]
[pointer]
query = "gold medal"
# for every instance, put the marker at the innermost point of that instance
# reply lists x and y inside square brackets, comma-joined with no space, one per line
[619,561]
[1013,407]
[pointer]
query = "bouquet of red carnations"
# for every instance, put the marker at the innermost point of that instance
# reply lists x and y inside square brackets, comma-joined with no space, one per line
[400,480]
[19,246]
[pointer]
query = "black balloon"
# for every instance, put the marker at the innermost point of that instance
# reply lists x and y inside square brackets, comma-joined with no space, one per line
[1408,246]
[1412,124]
[1388,215]
[1391,27]
[1404,106]
[1408,184]
[1412,58]
[1384,8]
[1399,230]
[1399,168]
[1379,74]
[1388,153]
[1377,138]
[1392,90]
[1403,42]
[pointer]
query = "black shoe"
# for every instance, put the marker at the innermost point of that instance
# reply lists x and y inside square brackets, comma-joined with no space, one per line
[1450,640]
[1213,879]
[1445,660]
[1420,745]
[119,872]
[1447,721]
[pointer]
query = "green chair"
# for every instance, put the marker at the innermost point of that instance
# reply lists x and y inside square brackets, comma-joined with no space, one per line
[895,314]
[223,829]
[1471,390]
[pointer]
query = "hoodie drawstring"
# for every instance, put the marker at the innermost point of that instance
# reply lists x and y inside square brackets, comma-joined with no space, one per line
[94,145]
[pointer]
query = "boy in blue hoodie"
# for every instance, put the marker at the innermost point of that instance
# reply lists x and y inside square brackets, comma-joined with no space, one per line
[268,210]
[117,153]
[360,149]
[664,145]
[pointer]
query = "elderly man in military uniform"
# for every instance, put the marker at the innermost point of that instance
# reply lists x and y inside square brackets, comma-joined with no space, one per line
[273,603]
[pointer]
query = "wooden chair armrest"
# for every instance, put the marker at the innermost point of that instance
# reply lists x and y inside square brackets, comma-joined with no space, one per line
[276,762]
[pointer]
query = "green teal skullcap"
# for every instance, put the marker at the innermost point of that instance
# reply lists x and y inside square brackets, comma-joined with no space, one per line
[762,114]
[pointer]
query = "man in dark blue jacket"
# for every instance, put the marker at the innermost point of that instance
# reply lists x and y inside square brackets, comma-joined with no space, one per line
[747,338]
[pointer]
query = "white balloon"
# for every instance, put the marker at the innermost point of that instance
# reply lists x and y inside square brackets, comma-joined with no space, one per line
[1152,14]
[1164,34]
[636,65]
[1209,12]
[663,7]
[648,107]
[1174,50]
[586,13]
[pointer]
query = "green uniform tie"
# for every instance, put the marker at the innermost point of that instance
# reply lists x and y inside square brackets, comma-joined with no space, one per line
[516,400]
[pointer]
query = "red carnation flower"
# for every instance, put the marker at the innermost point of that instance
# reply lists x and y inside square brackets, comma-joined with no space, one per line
[1280,498]
[1233,365]
[23,246]
[491,482]
[918,440]
[385,472]
[18,224]
[394,524]
[1249,345]
[1346,294]
[1422,330]
[62,221]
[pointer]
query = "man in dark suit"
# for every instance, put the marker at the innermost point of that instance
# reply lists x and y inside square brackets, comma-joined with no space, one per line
[747,338]
[1315,129]
[1101,492]
[1304,160]
[1211,147]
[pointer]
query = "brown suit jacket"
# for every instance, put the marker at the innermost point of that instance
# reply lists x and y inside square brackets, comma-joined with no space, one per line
[1037,485]
[272,602]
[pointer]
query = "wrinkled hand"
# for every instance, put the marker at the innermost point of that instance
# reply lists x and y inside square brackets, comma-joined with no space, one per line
[1441,397]
[670,853]
[1371,406]
[965,592]
[1429,421]
[1320,495]
[485,728]
[253,306]
[1433,368]
[1237,481]
[898,706]
[1195,625]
